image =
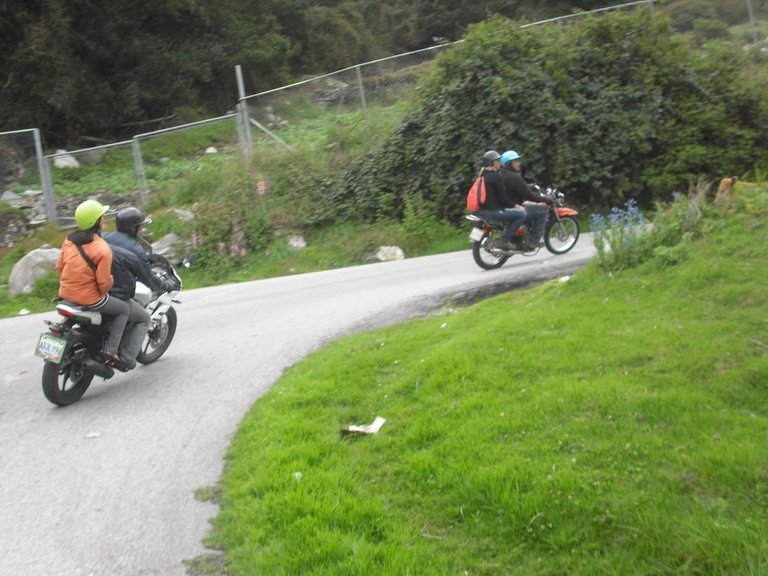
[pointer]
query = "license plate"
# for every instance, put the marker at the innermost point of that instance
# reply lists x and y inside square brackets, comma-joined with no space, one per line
[476,235]
[51,348]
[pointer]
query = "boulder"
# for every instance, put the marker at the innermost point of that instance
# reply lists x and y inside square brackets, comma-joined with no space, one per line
[170,246]
[33,266]
[388,253]
[63,160]
[297,242]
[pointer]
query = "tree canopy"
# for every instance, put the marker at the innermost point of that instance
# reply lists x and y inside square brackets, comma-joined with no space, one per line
[76,68]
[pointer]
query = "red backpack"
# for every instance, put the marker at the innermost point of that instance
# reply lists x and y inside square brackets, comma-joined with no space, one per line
[476,195]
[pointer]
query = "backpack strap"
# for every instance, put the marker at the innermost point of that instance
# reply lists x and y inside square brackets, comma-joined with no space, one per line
[88,261]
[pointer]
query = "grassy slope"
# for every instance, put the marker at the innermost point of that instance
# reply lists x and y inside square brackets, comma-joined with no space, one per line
[613,424]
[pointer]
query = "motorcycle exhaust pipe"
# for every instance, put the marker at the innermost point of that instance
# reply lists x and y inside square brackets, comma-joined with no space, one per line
[98,369]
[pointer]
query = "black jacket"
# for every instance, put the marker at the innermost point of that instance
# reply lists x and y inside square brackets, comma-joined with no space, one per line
[517,188]
[496,197]
[130,263]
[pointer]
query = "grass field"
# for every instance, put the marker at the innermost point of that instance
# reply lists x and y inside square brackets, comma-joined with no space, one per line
[616,423]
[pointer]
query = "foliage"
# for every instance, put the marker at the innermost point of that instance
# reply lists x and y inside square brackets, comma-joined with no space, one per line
[624,239]
[613,108]
[90,69]
[633,442]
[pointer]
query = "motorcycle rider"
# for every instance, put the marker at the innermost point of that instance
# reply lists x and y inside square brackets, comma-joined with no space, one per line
[522,195]
[84,267]
[498,204]
[130,263]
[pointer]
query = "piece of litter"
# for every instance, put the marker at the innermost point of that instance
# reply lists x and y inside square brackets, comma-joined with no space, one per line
[371,428]
[565,279]
[23,312]
[297,476]
[93,435]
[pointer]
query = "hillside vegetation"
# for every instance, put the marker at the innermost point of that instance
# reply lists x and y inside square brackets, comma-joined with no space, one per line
[616,106]
[615,423]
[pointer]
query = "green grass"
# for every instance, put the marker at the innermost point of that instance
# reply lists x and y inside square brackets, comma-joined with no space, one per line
[613,424]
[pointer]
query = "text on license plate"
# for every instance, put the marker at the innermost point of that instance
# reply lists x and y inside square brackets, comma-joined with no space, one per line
[51,348]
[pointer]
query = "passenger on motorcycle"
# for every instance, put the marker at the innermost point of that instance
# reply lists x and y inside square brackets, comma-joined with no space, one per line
[522,195]
[84,267]
[130,263]
[498,204]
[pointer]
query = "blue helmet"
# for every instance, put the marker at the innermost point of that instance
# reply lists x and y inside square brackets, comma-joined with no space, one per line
[509,156]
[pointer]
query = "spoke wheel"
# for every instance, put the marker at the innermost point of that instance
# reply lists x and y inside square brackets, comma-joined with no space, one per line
[484,257]
[561,236]
[160,335]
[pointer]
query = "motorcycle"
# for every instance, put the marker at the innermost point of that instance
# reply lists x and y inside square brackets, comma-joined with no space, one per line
[71,347]
[560,233]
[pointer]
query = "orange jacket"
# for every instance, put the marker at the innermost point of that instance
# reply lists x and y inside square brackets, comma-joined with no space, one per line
[78,283]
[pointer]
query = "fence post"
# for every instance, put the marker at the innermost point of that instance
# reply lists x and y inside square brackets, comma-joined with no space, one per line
[752,21]
[45,179]
[244,124]
[138,165]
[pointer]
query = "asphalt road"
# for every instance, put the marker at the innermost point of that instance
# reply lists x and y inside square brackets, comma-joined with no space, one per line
[106,486]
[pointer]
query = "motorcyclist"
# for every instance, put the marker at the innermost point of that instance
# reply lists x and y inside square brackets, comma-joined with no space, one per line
[85,270]
[498,204]
[522,195]
[129,264]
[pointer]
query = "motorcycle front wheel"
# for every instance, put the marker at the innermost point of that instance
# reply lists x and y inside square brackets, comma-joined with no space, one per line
[65,383]
[159,338]
[560,236]
[484,257]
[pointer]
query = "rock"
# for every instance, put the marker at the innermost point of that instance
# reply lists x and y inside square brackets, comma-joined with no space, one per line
[171,247]
[12,227]
[12,199]
[32,267]
[388,253]
[211,150]
[297,242]
[184,215]
[63,160]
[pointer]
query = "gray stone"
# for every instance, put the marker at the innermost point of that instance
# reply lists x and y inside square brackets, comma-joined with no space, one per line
[184,215]
[297,242]
[33,266]
[389,253]
[63,160]
[171,247]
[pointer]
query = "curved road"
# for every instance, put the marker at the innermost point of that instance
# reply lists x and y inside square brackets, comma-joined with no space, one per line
[105,487]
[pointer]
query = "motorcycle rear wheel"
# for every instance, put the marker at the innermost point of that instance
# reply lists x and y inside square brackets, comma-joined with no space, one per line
[159,338]
[65,385]
[560,237]
[483,257]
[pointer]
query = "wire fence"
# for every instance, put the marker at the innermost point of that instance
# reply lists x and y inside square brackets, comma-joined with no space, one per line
[283,116]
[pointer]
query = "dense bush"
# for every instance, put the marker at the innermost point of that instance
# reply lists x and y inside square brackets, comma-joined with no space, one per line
[612,108]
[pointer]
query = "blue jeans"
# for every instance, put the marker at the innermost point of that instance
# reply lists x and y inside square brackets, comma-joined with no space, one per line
[514,216]
[537,215]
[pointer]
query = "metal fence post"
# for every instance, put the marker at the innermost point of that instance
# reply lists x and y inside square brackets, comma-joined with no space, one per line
[138,165]
[751,11]
[244,119]
[45,178]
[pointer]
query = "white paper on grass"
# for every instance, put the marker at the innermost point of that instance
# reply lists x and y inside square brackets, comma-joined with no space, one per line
[371,428]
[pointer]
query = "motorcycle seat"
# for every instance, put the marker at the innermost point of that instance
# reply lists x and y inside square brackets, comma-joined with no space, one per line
[79,313]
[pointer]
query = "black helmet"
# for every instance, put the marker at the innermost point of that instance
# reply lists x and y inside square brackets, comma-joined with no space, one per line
[128,218]
[490,156]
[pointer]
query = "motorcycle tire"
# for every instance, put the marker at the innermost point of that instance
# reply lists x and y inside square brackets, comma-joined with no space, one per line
[159,338]
[483,257]
[65,385]
[561,236]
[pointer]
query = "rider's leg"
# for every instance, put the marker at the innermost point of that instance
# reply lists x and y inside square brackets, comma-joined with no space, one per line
[516,218]
[138,326]
[537,214]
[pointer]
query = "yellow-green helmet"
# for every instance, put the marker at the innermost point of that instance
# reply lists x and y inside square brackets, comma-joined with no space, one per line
[88,213]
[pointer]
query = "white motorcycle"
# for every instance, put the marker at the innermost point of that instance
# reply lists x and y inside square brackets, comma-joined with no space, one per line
[71,347]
